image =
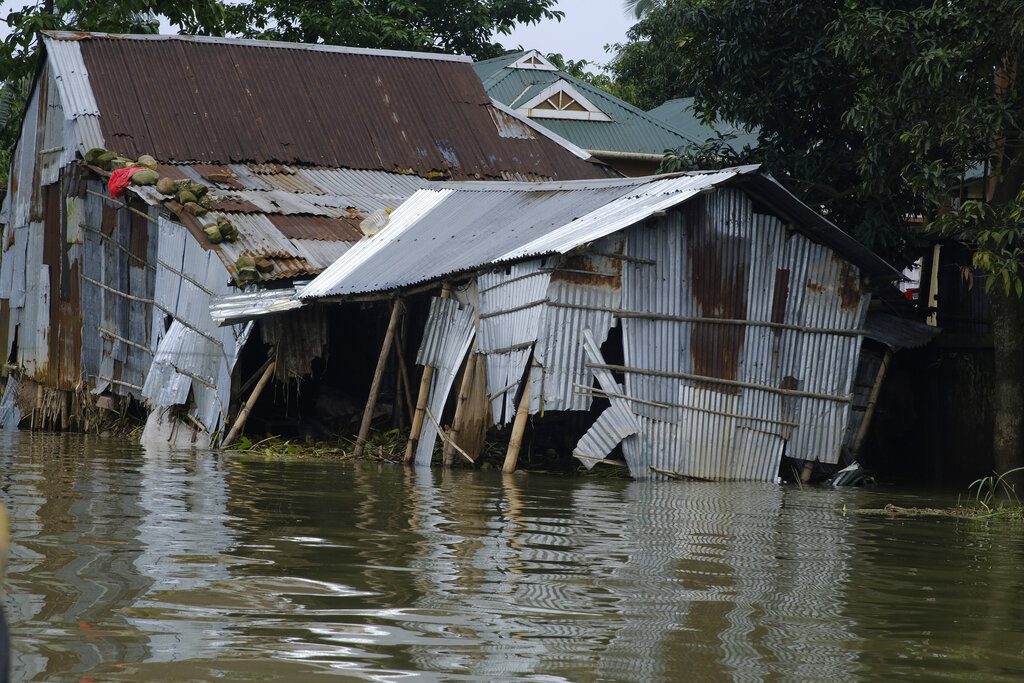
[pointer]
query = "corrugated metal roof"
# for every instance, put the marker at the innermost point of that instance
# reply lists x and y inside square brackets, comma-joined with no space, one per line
[301,232]
[462,227]
[234,308]
[630,129]
[680,115]
[220,100]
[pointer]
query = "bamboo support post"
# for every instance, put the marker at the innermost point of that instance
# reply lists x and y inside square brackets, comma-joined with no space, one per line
[869,410]
[403,370]
[421,399]
[515,443]
[243,414]
[460,406]
[378,374]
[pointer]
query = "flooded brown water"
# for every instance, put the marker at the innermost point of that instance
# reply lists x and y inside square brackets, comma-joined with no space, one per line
[147,566]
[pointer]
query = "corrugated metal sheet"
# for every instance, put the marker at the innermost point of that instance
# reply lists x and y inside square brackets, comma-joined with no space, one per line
[450,331]
[680,114]
[583,291]
[301,232]
[511,303]
[479,224]
[192,355]
[734,264]
[278,102]
[615,424]
[234,308]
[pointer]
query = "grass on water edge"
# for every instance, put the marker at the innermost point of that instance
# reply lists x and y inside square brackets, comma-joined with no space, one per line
[992,497]
[389,446]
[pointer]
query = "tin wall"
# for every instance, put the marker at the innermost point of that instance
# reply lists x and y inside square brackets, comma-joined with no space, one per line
[723,400]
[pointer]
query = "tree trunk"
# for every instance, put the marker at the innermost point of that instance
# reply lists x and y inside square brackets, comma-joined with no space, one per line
[1007,309]
[1008,403]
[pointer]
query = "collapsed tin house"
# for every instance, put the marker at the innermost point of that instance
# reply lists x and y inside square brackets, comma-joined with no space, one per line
[106,301]
[709,323]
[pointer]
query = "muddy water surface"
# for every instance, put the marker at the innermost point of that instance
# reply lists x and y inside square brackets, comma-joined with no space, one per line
[150,566]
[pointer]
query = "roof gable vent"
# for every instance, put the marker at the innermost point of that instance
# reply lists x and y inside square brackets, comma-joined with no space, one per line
[533,60]
[561,100]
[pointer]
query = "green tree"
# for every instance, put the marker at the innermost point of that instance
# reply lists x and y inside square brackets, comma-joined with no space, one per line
[580,69]
[20,48]
[939,85]
[457,26]
[771,65]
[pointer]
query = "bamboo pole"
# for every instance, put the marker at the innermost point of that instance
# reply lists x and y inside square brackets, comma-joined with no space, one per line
[421,399]
[515,443]
[869,410]
[403,369]
[460,406]
[243,414]
[378,374]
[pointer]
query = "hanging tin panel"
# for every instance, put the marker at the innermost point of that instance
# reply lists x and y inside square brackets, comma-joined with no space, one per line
[656,283]
[583,292]
[511,303]
[616,423]
[450,331]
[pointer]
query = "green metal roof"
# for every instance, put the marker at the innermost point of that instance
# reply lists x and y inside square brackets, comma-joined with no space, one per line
[679,114]
[630,130]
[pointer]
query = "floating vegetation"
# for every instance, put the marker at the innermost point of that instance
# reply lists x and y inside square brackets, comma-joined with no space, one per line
[992,497]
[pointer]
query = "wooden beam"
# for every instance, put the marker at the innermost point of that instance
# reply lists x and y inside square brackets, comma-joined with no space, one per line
[468,373]
[243,414]
[378,374]
[515,443]
[869,410]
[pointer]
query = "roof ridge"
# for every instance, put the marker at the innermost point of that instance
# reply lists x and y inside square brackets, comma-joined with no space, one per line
[258,43]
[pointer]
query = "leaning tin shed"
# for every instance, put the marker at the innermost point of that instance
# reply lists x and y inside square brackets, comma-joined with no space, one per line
[705,324]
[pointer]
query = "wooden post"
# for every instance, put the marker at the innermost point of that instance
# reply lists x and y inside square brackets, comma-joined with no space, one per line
[403,370]
[421,399]
[518,427]
[382,361]
[243,414]
[869,410]
[460,406]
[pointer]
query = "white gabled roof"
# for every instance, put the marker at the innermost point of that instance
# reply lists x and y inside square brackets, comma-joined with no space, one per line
[556,102]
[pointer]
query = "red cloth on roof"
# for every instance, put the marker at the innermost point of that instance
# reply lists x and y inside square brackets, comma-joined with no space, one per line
[120,179]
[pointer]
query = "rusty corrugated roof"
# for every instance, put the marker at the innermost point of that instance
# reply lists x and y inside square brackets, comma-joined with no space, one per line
[216,101]
[300,231]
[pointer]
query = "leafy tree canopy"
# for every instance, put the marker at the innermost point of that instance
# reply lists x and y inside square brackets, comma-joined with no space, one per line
[581,69]
[459,26]
[772,65]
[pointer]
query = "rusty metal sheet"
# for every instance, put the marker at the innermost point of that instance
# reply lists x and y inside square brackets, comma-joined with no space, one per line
[318,228]
[330,107]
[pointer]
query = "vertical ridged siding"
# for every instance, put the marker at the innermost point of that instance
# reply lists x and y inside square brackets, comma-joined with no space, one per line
[450,331]
[581,295]
[193,355]
[727,262]
[511,304]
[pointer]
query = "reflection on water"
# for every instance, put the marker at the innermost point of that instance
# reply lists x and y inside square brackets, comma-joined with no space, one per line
[135,565]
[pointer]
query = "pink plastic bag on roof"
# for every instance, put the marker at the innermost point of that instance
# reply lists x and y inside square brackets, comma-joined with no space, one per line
[120,179]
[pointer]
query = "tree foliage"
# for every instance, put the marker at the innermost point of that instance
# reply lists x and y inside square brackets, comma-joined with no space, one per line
[939,85]
[459,26]
[772,65]
[581,69]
